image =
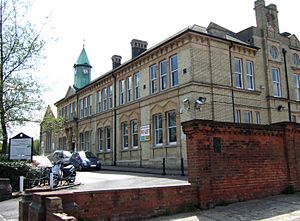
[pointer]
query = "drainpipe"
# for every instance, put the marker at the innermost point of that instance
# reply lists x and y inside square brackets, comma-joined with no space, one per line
[115,121]
[287,84]
[231,79]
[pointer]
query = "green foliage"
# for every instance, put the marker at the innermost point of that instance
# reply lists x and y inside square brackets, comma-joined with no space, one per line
[36,147]
[14,169]
[52,124]
[21,51]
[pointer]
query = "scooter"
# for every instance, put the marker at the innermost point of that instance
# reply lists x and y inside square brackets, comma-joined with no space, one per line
[61,173]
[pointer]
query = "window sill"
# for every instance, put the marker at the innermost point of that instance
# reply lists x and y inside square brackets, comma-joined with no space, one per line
[130,149]
[165,146]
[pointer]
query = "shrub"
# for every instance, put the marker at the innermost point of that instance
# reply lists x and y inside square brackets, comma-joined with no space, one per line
[14,169]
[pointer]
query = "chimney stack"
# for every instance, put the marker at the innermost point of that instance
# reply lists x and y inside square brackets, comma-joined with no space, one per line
[138,47]
[116,61]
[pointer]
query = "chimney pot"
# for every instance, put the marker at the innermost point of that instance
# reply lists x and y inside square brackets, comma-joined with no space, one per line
[116,61]
[138,47]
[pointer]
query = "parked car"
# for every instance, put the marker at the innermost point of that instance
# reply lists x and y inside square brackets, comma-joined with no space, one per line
[85,160]
[41,161]
[60,155]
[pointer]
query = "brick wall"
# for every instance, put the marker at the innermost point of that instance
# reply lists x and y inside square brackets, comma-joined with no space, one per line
[126,204]
[226,163]
[252,161]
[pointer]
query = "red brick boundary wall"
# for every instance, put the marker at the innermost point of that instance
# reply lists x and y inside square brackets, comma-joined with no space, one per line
[235,162]
[226,163]
[124,204]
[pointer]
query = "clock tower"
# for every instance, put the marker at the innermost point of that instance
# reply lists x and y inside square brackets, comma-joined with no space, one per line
[82,71]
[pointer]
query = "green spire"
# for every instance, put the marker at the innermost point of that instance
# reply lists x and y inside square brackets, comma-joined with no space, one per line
[83,59]
[83,68]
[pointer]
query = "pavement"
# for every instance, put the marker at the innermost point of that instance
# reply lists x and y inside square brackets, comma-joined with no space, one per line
[274,208]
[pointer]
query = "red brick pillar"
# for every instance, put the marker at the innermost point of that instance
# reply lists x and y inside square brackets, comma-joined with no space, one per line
[54,210]
[292,154]
[198,158]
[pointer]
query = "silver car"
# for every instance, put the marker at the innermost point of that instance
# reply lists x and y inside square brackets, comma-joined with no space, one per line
[60,155]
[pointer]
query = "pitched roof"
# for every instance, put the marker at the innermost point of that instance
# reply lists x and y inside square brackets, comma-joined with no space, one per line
[83,59]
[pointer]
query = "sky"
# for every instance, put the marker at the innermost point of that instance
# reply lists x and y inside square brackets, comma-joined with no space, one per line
[106,28]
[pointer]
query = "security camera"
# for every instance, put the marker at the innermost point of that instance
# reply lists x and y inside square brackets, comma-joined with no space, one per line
[199,102]
[186,100]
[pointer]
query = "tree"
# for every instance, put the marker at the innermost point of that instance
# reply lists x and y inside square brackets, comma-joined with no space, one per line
[21,49]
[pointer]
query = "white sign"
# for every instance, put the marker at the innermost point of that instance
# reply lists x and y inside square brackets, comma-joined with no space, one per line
[145,133]
[20,149]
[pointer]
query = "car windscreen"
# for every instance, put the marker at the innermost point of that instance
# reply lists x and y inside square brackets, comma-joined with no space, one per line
[67,154]
[87,155]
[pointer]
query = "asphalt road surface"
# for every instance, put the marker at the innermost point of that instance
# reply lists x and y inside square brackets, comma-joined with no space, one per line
[103,180]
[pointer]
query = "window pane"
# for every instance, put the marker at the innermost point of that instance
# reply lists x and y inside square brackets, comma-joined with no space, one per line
[153,79]
[250,75]
[238,73]
[171,122]
[276,82]
[158,129]
[174,70]
[163,75]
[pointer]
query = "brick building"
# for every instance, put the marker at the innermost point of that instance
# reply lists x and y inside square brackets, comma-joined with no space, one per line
[132,115]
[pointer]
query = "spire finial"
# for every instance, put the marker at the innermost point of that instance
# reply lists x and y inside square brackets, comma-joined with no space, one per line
[83,41]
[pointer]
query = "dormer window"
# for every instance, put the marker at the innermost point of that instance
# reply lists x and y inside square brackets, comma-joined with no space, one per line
[274,52]
[296,59]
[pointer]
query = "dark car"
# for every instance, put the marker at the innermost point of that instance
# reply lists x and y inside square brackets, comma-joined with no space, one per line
[85,160]
[60,155]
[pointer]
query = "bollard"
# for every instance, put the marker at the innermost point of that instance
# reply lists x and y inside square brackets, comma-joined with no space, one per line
[164,166]
[21,184]
[51,181]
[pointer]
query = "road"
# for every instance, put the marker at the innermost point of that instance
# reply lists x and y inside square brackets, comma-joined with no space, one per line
[103,180]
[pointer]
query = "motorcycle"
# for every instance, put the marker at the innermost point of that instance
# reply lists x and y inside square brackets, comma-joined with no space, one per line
[61,173]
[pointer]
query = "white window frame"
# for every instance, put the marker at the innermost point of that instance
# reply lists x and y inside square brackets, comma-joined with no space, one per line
[274,52]
[134,133]
[153,79]
[129,94]
[81,108]
[109,97]
[174,70]
[104,99]
[248,115]
[257,115]
[82,141]
[238,116]
[276,82]
[297,86]
[99,95]
[90,98]
[121,91]
[137,85]
[238,74]
[158,131]
[87,138]
[107,139]
[163,75]
[171,127]
[125,135]
[250,75]
[100,139]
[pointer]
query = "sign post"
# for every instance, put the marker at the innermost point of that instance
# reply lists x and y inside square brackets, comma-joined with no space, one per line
[21,147]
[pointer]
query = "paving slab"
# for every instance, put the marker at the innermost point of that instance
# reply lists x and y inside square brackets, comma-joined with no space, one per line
[274,208]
